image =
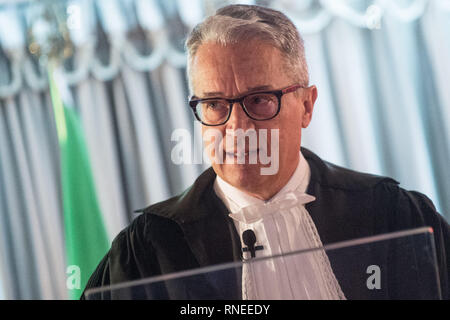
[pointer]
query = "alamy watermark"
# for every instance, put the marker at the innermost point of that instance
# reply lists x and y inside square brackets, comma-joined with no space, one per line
[373,16]
[374,281]
[73,281]
[231,149]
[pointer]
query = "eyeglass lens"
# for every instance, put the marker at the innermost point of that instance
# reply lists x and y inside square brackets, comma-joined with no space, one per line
[260,106]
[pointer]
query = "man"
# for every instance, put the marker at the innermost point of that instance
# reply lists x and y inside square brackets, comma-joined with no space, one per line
[247,71]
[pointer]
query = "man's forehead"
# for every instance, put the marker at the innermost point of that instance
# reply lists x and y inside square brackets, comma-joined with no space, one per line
[216,68]
[242,54]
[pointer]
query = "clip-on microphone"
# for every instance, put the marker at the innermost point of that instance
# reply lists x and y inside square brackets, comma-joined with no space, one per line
[249,238]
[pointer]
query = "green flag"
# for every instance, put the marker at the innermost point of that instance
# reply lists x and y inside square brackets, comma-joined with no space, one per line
[86,238]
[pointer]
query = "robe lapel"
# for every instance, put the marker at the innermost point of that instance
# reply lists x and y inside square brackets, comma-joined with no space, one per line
[209,237]
[208,231]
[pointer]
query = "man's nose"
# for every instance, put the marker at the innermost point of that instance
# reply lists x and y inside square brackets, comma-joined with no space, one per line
[239,119]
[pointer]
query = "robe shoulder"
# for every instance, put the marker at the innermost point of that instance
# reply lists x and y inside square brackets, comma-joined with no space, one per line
[403,209]
[351,205]
[132,254]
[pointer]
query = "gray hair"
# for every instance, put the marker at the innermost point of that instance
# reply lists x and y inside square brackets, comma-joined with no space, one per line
[241,23]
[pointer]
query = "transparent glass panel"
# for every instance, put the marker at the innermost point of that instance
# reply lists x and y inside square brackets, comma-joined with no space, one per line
[399,265]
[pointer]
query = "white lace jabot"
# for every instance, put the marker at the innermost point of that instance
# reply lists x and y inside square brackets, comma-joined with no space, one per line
[257,212]
[281,225]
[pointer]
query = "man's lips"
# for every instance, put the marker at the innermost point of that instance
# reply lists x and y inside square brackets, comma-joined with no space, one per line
[237,154]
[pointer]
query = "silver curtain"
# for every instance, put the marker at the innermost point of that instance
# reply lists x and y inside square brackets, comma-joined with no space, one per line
[381,68]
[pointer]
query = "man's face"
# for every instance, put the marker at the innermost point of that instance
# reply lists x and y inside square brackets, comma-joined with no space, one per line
[235,70]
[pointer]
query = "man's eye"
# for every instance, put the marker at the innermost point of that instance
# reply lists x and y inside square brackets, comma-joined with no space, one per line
[214,105]
[258,100]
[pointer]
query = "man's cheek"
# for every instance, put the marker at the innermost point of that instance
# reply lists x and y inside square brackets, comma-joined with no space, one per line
[270,155]
[213,142]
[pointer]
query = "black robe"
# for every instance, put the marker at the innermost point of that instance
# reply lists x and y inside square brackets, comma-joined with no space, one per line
[193,230]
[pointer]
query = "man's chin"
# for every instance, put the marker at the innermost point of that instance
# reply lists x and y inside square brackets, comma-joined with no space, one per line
[246,177]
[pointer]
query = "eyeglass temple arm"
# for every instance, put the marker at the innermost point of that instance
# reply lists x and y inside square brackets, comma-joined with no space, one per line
[292,88]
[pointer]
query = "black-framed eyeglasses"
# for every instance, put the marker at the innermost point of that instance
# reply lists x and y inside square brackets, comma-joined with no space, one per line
[260,106]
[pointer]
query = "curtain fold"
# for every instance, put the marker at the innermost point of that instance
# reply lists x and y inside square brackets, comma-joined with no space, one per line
[133,181]
[43,185]
[179,117]
[151,163]
[29,255]
[96,115]
[329,146]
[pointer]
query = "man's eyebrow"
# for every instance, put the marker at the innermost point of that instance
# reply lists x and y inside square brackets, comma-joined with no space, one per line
[259,88]
[251,89]
[213,94]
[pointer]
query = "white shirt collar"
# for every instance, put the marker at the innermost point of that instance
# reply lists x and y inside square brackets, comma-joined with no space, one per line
[236,199]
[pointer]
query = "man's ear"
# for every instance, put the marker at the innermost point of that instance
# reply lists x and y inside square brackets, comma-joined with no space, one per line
[309,99]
